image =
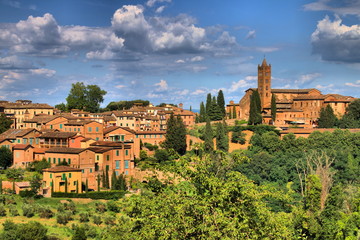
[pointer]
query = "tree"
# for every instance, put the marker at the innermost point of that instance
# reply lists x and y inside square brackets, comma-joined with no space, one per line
[61,107]
[327,117]
[38,166]
[208,103]
[208,137]
[255,109]
[5,123]
[175,135]
[35,183]
[221,102]
[273,108]
[6,157]
[84,97]
[234,116]
[222,140]
[202,112]
[214,113]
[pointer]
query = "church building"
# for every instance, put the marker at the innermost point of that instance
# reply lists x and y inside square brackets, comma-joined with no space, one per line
[294,106]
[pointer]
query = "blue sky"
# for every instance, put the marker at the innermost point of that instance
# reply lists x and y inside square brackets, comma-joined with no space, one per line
[176,50]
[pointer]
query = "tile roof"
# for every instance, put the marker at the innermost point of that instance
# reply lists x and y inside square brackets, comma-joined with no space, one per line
[21,146]
[41,119]
[63,135]
[150,132]
[65,150]
[99,149]
[110,129]
[14,133]
[11,105]
[78,123]
[110,144]
[86,139]
[62,169]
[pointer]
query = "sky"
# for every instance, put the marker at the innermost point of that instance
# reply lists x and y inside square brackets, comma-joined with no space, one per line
[176,51]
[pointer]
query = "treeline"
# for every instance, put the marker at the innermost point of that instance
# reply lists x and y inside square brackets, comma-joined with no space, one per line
[213,109]
[121,105]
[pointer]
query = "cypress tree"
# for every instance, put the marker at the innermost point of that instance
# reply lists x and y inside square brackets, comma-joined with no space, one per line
[208,137]
[327,117]
[1,188]
[113,181]
[103,178]
[273,108]
[234,112]
[176,135]
[66,185]
[202,112]
[86,186]
[214,113]
[190,108]
[208,104]
[255,109]
[222,140]
[107,180]
[77,186]
[98,178]
[221,102]
[257,101]
[52,187]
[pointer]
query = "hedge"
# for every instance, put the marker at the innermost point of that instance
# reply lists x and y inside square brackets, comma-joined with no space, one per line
[93,195]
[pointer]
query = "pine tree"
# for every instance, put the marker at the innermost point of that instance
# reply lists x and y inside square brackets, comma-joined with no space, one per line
[273,108]
[208,137]
[190,108]
[255,116]
[107,180]
[208,104]
[113,181]
[103,178]
[327,117]
[221,103]
[222,140]
[214,113]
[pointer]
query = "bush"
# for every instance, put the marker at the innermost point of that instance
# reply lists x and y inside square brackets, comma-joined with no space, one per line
[2,211]
[63,217]
[27,194]
[150,146]
[84,217]
[112,206]
[100,207]
[28,210]
[46,212]
[110,220]
[13,211]
[79,233]
[108,195]
[97,219]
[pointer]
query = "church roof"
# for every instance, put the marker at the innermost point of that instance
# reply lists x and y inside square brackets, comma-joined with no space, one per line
[264,63]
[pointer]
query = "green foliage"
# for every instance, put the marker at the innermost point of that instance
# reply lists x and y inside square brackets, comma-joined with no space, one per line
[31,230]
[63,217]
[273,108]
[28,210]
[255,116]
[79,233]
[238,137]
[84,217]
[84,97]
[108,195]
[100,207]
[126,104]
[3,212]
[175,135]
[150,146]
[35,183]
[38,166]
[221,102]
[15,173]
[113,206]
[97,219]
[6,157]
[5,123]
[208,137]
[222,140]
[327,117]
[202,117]
[45,212]
[13,211]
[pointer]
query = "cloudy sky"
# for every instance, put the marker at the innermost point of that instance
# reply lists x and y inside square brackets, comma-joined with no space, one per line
[176,50]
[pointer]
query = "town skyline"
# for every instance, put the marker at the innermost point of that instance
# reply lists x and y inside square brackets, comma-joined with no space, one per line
[173,51]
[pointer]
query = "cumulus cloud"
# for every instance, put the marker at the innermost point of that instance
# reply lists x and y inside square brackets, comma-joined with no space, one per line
[336,42]
[242,84]
[325,87]
[356,84]
[160,9]
[306,78]
[151,3]
[198,92]
[162,86]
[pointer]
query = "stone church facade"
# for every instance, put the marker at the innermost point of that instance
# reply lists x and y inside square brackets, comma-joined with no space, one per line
[294,106]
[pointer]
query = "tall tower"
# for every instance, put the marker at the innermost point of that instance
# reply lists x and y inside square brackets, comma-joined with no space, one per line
[264,84]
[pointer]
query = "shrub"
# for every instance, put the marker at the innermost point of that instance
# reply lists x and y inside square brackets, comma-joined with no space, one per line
[108,195]
[84,217]
[112,206]
[100,207]
[46,212]
[13,211]
[110,220]
[28,210]
[63,218]
[2,211]
[97,219]
[79,233]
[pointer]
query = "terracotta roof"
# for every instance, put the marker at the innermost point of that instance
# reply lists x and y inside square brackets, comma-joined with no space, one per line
[149,132]
[39,150]
[22,184]
[298,91]
[26,106]
[3,140]
[99,149]
[14,133]
[109,118]
[65,150]
[21,146]
[78,123]
[86,139]
[62,169]
[110,129]
[63,135]
[41,119]
[310,97]
[110,144]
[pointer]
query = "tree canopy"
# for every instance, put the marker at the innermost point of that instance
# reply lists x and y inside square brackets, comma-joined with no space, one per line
[5,123]
[175,135]
[84,97]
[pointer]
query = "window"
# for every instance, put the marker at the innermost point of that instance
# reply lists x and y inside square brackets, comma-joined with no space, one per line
[18,140]
[82,170]
[97,157]
[122,137]
[24,140]
[61,126]
[31,141]
[78,129]
[107,157]
[90,170]
[69,161]
[107,168]
[63,176]
[126,152]
[50,175]
[54,160]
[74,129]
[126,164]
[97,129]
[117,164]
[89,129]
[49,160]
[69,175]
[117,152]
[37,140]
[59,160]
[97,139]
[126,172]
[51,126]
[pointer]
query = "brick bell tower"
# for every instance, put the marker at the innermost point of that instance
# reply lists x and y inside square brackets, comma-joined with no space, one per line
[264,84]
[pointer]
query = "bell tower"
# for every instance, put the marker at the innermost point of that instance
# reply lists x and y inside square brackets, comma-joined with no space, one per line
[264,84]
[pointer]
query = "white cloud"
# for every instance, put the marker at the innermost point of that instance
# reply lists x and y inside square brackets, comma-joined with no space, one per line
[160,9]
[43,71]
[329,86]
[334,41]
[251,34]
[151,3]
[197,59]
[307,78]
[120,86]
[199,68]
[180,61]
[339,7]
[162,86]
[198,92]
[356,84]
[242,84]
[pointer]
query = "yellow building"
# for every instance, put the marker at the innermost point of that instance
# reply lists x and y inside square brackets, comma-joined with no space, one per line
[56,177]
